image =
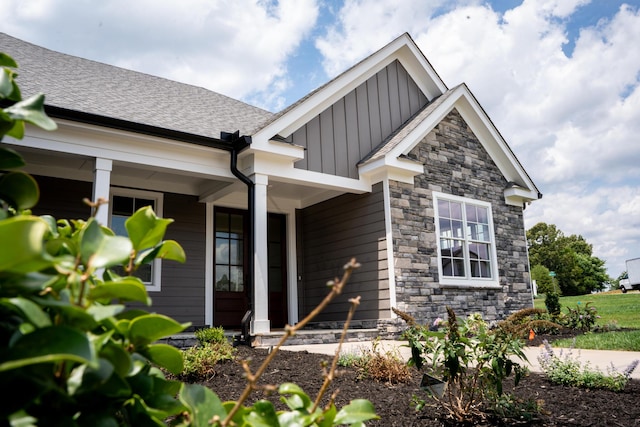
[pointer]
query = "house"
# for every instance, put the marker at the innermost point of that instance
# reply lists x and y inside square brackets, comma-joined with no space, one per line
[384,163]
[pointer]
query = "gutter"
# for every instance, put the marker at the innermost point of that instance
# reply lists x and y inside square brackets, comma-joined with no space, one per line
[239,143]
[230,142]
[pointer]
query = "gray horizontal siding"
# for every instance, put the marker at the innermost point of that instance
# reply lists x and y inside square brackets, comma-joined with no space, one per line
[339,137]
[332,233]
[62,198]
[182,296]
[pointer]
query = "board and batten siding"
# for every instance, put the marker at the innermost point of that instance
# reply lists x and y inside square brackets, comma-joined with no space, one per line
[343,134]
[333,232]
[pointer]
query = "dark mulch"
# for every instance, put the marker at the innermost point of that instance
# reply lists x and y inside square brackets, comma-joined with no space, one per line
[563,406]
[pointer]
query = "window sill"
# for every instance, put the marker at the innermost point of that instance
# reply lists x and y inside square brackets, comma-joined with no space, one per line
[471,285]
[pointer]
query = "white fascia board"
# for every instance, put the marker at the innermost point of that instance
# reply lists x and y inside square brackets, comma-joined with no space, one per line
[323,180]
[128,147]
[518,196]
[393,168]
[282,149]
[402,49]
[284,170]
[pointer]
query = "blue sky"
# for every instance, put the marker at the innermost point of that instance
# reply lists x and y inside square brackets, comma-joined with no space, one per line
[559,78]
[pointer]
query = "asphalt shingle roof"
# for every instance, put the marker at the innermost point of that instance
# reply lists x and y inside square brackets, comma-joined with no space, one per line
[91,87]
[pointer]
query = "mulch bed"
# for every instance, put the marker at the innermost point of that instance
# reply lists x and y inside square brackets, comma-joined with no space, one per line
[562,406]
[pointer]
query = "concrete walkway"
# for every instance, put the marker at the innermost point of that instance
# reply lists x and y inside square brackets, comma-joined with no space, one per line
[601,359]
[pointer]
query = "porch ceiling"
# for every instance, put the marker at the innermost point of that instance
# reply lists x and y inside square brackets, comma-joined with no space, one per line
[301,195]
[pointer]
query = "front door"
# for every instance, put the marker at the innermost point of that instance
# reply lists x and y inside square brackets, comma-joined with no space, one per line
[232,293]
[231,299]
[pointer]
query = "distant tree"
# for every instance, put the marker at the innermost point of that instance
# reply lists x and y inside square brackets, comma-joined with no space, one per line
[544,282]
[570,257]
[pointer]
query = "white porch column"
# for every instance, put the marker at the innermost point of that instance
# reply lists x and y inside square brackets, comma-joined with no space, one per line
[261,323]
[101,184]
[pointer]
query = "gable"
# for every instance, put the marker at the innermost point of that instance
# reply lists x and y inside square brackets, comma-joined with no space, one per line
[346,132]
[392,155]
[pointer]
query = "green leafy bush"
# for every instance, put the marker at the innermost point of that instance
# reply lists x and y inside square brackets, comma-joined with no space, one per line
[68,344]
[583,317]
[211,335]
[473,361]
[552,303]
[565,369]
[200,361]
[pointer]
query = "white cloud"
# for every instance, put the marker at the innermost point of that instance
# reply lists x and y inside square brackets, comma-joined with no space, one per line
[236,47]
[366,25]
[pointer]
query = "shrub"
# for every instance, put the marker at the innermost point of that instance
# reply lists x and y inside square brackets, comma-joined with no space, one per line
[211,335]
[521,322]
[200,361]
[582,317]
[567,370]
[71,354]
[471,359]
[552,303]
[384,366]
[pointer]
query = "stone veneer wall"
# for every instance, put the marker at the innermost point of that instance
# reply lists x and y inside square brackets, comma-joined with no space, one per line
[457,164]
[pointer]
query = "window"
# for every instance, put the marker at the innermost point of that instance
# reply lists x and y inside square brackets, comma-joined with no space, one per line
[122,205]
[466,244]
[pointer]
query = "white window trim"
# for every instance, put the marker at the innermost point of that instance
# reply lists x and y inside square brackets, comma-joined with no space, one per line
[470,282]
[156,273]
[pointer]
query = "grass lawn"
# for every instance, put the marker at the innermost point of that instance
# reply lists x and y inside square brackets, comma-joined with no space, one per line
[613,307]
[617,340]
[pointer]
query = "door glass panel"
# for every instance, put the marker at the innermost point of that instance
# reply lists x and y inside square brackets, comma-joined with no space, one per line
[222,225]
[237,281]
[236,226]
[235,252]
[222,278]
[229,254]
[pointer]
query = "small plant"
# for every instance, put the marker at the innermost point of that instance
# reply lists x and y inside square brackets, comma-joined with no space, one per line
[378,365]
[583,317]
[352,359]
[473,361]
[610,326]
[552,302]
[520,323]
[211,335]
[565,369]
[200,361]
[508,406]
